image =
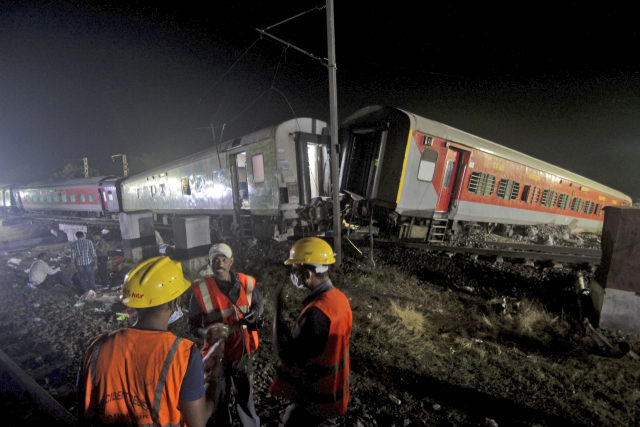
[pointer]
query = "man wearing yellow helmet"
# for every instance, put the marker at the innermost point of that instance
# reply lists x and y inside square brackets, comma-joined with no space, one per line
[315,353]
[145,374]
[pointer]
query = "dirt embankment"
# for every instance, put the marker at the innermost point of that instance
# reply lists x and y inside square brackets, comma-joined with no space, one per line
[437,340]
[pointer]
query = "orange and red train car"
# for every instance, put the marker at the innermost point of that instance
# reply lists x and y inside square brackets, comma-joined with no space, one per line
[433,176]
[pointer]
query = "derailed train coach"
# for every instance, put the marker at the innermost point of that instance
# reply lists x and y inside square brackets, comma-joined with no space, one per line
[264,184]
[76,196]
[425,178]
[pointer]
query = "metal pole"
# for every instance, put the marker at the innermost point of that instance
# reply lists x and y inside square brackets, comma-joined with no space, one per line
[333,124]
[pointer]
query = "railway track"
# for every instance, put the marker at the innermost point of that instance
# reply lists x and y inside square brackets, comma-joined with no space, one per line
[506,250]
[98,222]
[520,251]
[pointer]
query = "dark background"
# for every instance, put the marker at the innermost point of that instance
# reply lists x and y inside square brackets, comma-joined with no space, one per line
[94,79]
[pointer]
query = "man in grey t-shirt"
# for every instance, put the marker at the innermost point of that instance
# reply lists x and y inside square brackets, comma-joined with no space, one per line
[101,250]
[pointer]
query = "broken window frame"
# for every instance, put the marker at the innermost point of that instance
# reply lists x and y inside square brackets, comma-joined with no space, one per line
[199,184]
[186,190]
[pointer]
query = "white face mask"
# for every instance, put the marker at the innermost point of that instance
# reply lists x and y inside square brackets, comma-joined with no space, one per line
[175,315]
[297,282]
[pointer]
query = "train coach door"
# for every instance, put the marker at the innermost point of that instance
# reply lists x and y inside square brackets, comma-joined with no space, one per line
[452,163]
[238,165]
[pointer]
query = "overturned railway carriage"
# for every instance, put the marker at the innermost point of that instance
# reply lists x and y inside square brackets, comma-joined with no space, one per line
[432,177]
[264,184]
[78,196]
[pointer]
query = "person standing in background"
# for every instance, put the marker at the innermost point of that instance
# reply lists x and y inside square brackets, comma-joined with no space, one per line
[102,248]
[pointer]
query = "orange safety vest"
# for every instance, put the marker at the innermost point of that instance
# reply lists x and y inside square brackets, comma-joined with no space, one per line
[134,376]
[219,309]
[323,385]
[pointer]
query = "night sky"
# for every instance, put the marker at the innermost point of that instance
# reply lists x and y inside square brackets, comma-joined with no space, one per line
[84,79]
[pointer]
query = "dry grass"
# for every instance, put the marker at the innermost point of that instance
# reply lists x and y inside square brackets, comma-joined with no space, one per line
[411,319]
[532,318]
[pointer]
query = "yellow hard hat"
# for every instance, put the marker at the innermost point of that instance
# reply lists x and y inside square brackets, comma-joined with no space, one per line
[311,250]
[154,282]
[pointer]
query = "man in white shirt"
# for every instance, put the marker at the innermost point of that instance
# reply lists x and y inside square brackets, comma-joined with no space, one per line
[41,274]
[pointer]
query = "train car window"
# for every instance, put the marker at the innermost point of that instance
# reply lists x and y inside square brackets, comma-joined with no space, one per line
[549,198]
[72,198]
[82,198]
[481,183]
[186,188]
[49,198]
[64,198]
[577,204]
[589,207]
[56,198]
[428,161]
[448,173]
[28,197]
[199,184]
[508,189]
[92,198]
[41,199]
[153,191]
[110,194]
[140,193]
[599,211]
[257,162]
[531,194]
[564,201]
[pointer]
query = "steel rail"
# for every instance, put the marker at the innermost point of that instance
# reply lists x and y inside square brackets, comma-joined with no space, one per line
[554,256]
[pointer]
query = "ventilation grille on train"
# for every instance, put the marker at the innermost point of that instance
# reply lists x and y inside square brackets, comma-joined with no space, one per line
[481,183]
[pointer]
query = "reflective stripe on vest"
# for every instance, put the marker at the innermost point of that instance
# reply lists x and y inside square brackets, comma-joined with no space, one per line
[323,386]
[120,385]
[217,308]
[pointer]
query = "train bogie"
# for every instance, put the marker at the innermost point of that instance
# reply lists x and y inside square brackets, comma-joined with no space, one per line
[430,174]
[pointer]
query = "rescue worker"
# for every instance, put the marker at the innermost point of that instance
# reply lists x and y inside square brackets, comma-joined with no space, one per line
[230,298]
[315,353]
[145,375]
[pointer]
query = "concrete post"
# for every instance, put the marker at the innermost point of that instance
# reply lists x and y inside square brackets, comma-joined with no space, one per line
[138,235]
[615,293]
[192,238]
